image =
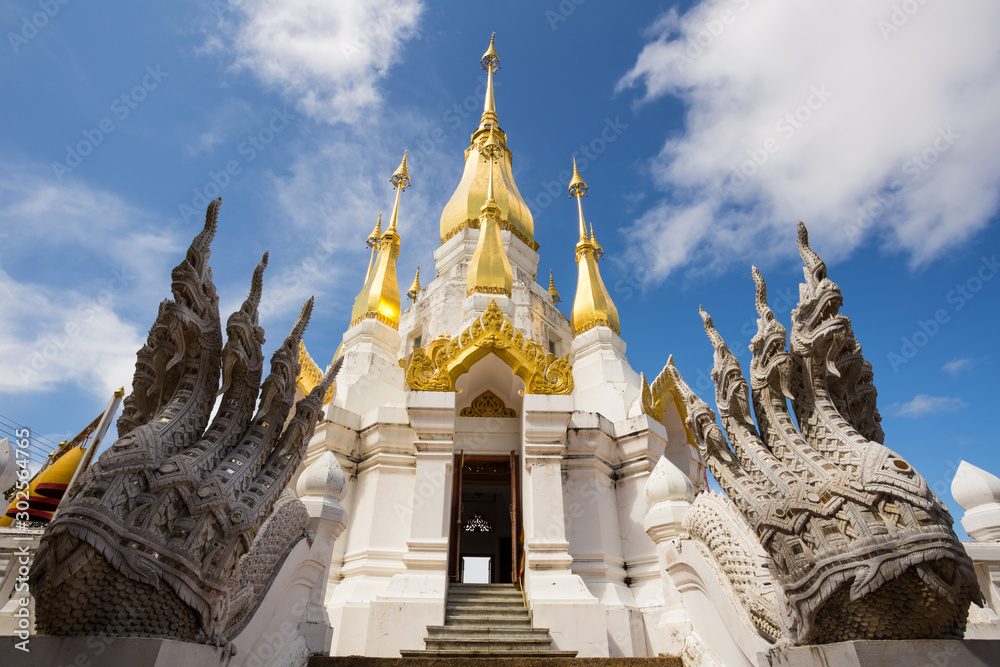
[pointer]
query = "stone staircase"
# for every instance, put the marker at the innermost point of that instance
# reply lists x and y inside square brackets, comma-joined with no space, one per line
[486,620]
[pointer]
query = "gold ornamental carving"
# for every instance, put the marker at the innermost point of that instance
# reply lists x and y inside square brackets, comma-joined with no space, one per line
[663,391]
[488,404]
[310,375]
[439,365]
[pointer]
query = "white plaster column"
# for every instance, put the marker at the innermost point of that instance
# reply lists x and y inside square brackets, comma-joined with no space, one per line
[978,493]
[669,493]
[415,598]
[321,487]
[559,599]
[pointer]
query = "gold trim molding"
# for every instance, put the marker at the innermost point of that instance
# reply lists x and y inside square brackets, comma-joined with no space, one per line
[488,404]
[310,375]
[657,396]
[438,366]
[504,226]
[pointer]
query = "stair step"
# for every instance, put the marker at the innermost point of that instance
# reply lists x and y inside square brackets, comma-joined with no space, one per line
[485,631]
[492,620]
[462,654]
[487,644]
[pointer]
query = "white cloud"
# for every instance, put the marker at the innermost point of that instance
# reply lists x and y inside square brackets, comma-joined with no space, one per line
[956,366]
[923,405]
[328,56]
[53,336]
[839,111]
[77,260]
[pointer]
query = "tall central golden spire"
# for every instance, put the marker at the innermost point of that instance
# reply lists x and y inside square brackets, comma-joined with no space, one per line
[592,306]
[489,269]
[463,209]
[491,63]
[379,298]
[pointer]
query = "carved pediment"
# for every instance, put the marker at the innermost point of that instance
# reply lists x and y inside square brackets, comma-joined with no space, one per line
[439,365]
[488,404]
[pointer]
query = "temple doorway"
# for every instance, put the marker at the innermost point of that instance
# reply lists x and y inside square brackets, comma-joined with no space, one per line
[484,545]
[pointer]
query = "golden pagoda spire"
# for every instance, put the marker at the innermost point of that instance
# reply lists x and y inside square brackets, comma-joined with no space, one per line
[463,209]
[592,306]
[379,298]
[414,290]
[578,188]
[373,243]
[491,63]
[552,290]
[400,180]
[489,269]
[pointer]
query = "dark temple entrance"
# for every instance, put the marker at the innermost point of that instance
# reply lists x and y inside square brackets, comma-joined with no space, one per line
[484,544]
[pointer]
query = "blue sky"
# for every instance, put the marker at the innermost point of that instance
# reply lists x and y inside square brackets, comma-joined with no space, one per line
[705,130]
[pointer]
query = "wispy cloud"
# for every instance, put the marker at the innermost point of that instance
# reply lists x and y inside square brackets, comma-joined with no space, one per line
[958,366]
[824,114]
[76,262]
[923,405]
[328,56]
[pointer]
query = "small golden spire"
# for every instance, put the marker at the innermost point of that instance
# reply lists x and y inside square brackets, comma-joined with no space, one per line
[491,63]
[552,290]
[578,189]
[379,298]
[414,290]
[592,306]
[400,180]
[372,243]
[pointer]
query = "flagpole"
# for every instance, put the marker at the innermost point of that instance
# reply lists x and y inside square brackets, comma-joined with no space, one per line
[95,441]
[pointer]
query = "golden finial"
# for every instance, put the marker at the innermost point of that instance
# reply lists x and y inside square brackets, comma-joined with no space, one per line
[400,180]
[597,246]
[120,391]
[552,289]
[372,243]
[577,186]
[490,60]
[578,189]
[376,233]
[401,177]
[491,63]
[414,290]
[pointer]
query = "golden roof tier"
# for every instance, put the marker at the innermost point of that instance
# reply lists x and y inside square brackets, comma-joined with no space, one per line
[592,306]
[465,206]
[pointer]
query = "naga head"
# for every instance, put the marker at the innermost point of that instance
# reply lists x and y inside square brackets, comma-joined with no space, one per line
[771,363]
[817,323]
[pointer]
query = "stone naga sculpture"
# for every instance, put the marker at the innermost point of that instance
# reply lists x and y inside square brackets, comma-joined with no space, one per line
[859,545]
[176,530]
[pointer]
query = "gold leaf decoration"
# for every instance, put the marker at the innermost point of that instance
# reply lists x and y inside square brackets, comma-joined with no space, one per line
[663,391]
[438,366]
[310,375]
[488,404]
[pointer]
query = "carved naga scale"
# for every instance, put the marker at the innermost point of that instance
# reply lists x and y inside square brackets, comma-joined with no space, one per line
[859,545]
[177,528]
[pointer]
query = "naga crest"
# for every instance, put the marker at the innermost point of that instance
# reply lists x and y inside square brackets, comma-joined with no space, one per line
[859,545]
[176,529]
